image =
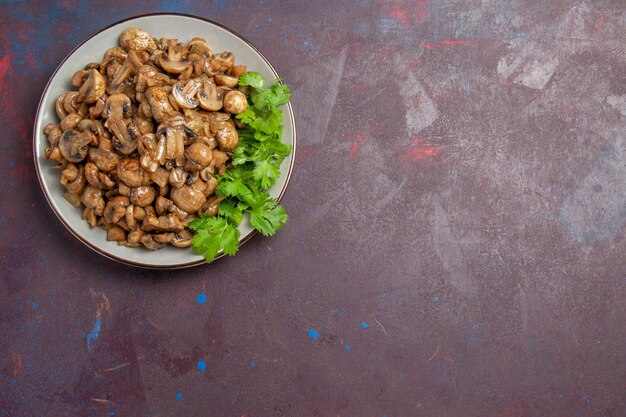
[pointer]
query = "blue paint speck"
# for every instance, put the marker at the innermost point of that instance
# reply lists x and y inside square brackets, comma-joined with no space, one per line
[94,333]
[269,20]
[112,413]
[436,297]
[338,311]
[313,334]
[179,396]
[306,42]
[347,347]
[586,399]
[468,87]
[201,365]
[252,364]
[11,164]
[364,325]
[33,304]
[201,298]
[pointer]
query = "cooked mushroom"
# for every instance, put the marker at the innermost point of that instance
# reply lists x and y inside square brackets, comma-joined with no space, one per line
[185,96]
[208,96]
[70,121]
[182,239]
[200,154]
[199,46]
[92,87]
[142,196]
[77,186]
[226,80]
[235,102]
[188,198]
[116,234]
[209,208]
[104,160]
[174,60]
[227,137]
[60,106]
[160,105]
[130,172]
[73,144]
[54,133]
[137,40]
[115,209]
[167,223]
[91,196]
[150,243]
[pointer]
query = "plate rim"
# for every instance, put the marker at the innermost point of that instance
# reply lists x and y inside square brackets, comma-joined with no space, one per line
[95,248]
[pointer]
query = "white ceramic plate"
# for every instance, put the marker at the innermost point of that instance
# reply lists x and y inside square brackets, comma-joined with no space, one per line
[183,28]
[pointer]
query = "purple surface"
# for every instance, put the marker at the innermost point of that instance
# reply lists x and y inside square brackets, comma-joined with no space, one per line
[456,237]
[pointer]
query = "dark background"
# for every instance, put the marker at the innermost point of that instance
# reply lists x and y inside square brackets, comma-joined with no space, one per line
[459,189]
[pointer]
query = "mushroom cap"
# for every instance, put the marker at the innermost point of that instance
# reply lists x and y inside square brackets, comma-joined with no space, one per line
[235,102]
[160,105]
[92,87]
[227,137]
[117,106]
[199,46]
[137,40]
[142,196]
[188,198]
[226,80]
[73,144]
[130,172]
[199,153]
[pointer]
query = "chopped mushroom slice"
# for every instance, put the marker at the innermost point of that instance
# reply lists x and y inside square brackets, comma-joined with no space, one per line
[174,60]
[185,96]
[73,144]
[160,105]
[92,87]
[208,96]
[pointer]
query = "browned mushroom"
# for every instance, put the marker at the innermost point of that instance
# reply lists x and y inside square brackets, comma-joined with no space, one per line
[160,106]
[185,96]
[149,243]
[91,196]
[226,80]
[92,87]
[116,233]
[142,196]
[200,154]
[104,160]
[209,97]
[235,102]
[188,198]
[115,209]
[227,137]
[137,40]
[130,172]
[174,60]
[70,121]
[73,144]
[182,239]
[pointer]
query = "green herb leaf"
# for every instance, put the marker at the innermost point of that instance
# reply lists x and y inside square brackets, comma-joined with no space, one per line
[268,217]
[212,235]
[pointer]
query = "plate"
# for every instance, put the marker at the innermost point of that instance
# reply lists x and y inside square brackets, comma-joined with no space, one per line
[183,28]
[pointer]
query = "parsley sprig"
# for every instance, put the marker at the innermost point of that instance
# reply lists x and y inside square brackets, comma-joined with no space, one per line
[256,161]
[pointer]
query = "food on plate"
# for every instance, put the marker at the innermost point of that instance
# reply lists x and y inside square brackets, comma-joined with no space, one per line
[170,143]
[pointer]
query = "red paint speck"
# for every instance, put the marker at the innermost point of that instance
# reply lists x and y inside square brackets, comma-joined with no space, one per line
[356,144]
[5,65]
[452,42]
[419,152]
[408,15]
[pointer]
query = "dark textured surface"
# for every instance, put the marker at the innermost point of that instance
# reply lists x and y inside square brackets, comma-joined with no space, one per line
[460,188]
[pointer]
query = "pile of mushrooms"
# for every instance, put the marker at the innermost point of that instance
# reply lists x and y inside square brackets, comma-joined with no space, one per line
[139,144]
